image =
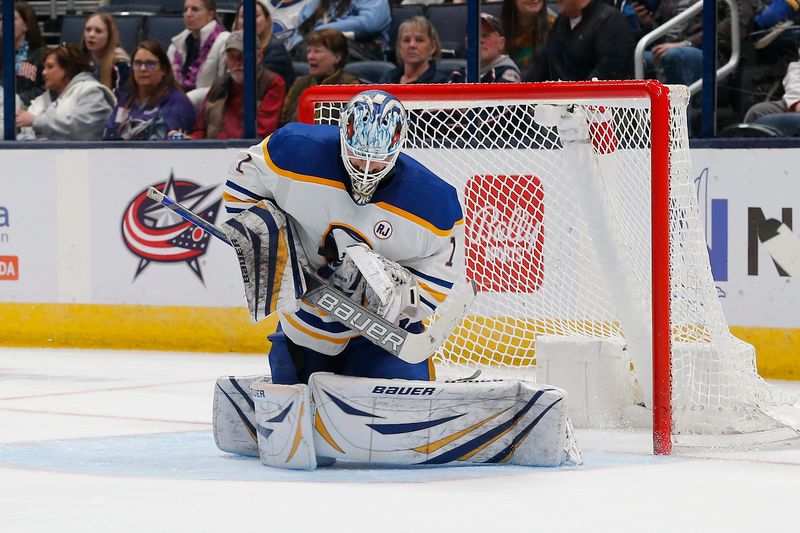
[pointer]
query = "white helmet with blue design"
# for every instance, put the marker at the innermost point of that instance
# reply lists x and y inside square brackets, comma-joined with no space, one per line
[372,128]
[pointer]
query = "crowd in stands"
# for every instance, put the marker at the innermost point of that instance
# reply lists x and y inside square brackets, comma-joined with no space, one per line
[192,86]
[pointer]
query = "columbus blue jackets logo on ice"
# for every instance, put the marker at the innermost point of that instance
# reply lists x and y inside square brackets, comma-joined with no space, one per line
[154,233]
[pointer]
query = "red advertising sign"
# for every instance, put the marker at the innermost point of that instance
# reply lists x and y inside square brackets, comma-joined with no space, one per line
[9,267]
[504,232]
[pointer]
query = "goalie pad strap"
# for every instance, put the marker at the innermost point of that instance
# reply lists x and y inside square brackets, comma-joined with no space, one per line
[270,259]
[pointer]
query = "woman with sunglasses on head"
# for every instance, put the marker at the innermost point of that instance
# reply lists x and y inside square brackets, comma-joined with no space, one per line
[75,105]
[111,65]
[155,104]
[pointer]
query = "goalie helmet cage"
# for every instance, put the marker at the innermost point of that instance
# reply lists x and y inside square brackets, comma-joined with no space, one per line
[607,245]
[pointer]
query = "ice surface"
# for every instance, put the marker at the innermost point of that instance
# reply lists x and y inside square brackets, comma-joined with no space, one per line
[96,441]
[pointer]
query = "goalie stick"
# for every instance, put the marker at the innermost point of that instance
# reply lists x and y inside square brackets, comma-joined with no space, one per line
[783,246]
[410,347]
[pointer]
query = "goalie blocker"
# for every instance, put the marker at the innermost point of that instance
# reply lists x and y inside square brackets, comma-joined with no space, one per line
[401,422]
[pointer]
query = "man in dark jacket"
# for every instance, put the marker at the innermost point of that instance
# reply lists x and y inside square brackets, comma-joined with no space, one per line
[589,39]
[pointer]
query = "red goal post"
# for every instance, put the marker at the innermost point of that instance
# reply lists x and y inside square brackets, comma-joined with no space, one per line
[639,139]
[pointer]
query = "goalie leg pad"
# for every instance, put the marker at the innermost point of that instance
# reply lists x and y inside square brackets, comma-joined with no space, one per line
[283,424]
[270,259]
[418,422]
[233,416]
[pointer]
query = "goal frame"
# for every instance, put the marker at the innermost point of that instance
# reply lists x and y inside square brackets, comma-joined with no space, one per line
[660,143]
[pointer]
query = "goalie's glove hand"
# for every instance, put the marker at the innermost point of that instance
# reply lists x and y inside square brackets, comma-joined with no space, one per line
[402,301]
[347,278]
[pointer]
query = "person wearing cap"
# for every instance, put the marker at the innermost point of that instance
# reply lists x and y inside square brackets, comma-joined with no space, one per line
[220,115]
[496,67]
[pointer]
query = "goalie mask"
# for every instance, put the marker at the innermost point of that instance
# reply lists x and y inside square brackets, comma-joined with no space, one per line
[372,128]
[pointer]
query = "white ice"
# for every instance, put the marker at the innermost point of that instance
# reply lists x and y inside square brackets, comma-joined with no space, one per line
[112,441]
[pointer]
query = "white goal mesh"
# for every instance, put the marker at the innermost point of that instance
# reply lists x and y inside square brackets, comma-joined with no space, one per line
[563,247]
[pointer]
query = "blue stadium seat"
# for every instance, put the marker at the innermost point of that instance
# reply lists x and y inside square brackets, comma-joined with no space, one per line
[493,8]
[368,71]
[228,6]
[172,6]
[446,66]
[130,31]
[300,68]
[138,7]
[162,28]
[450,21]
[72,28]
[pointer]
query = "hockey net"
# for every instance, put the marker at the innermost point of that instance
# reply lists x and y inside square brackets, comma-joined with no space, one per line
[612,250]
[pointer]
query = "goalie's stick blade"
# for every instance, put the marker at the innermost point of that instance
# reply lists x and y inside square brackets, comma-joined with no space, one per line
[782,245]
[410,347]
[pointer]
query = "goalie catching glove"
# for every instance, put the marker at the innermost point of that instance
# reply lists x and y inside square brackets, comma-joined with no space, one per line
[381,285]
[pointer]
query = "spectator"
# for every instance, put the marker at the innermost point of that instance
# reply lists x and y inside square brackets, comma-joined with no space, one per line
[777,16]
[678,57]
[2,111]
[28,53]
[111,65]
[326,55]
[220,116]
[589,39]
[196,52]
[276,57]
[418,48]
[74,106]
[155,104]
[783,114]
[365,24]
[286,19]
[526,24]
[496,67]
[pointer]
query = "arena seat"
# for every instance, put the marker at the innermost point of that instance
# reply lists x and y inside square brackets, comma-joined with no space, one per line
[172,6]
[300,68]
[493,8]
[450,21]
[143,7]
[72,28]
[368,71]
[446,66]
[162,28]
[130,31]
[228,6]
[750,131]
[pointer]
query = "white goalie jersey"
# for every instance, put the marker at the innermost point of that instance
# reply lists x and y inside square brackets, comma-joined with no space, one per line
[414,219]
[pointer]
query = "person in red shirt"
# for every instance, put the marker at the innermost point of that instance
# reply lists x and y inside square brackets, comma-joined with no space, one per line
[220,115]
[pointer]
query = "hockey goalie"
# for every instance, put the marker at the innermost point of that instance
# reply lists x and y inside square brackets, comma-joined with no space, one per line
[345,204]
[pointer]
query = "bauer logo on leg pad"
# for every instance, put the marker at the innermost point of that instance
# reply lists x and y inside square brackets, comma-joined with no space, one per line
[413,391]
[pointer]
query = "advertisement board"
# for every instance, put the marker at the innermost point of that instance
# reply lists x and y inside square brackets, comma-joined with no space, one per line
[75,230]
